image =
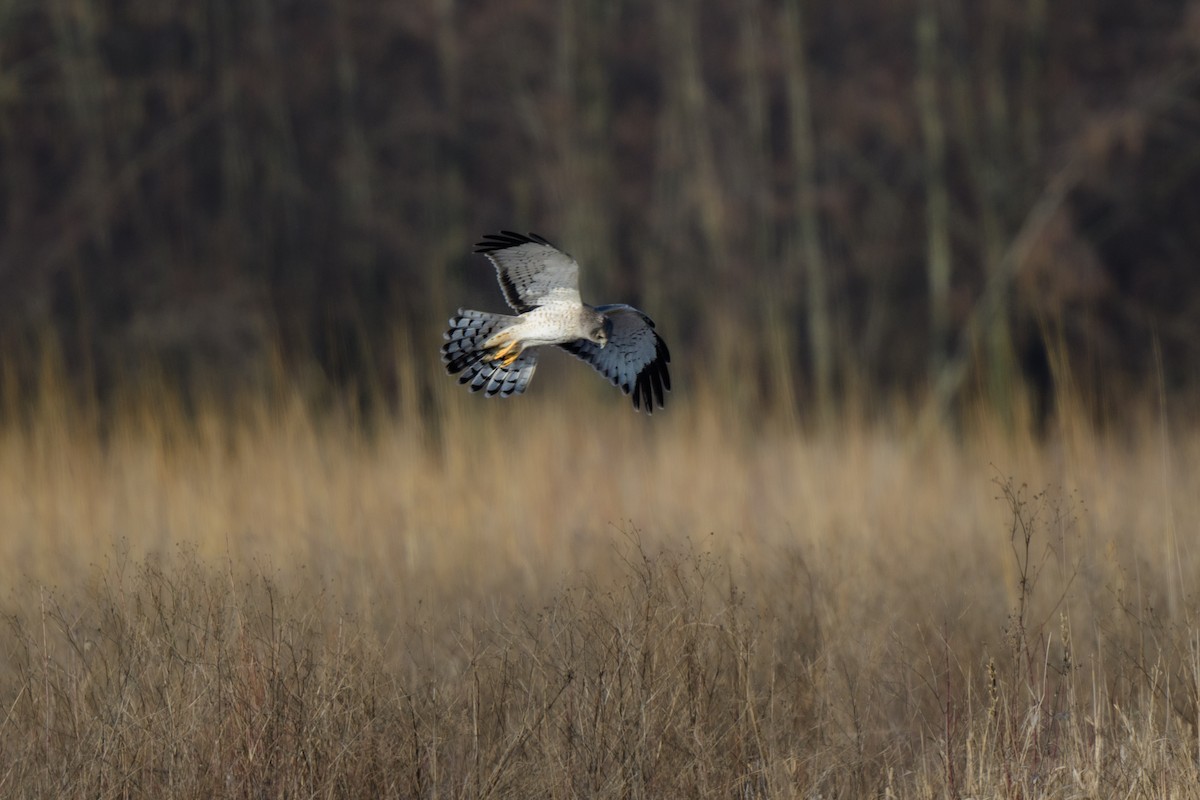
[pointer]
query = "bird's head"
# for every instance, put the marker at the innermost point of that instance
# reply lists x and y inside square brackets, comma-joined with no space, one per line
[604,332]
[598,327]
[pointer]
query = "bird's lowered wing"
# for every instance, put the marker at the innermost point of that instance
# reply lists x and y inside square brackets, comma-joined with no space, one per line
[634,359]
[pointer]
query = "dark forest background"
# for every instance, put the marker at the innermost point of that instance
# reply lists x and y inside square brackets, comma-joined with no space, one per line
[928,198]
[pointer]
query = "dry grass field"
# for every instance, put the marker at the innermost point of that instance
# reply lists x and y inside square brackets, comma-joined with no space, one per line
[533,599]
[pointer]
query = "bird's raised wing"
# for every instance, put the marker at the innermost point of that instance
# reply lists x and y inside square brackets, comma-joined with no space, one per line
[532,272]
[634,359]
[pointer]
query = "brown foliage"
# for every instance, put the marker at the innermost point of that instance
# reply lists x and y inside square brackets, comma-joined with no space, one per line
[274,604]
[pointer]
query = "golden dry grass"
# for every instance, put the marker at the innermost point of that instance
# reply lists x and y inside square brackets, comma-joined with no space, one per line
[504,600]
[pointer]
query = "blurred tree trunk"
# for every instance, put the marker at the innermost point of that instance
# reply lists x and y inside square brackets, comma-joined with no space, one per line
[937,205]
[808,249]
[233,140]
[583,186]
[756,142]
[300,300]
[362,311]
[772,297]
[278,150]
[986,142]
[447,223]
[570,178]
[1033,56]
[354,167]
[996,188]
[685,146]
[83,82]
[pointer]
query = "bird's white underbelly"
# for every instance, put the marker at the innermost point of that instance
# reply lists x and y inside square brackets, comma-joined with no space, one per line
[547,325]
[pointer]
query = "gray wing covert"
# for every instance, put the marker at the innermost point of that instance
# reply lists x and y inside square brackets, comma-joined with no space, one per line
[532,272]
[634,359]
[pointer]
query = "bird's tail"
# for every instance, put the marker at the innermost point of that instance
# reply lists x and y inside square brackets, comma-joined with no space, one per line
[475,347]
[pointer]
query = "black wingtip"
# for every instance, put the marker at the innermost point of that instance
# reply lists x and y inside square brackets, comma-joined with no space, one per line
[650,387]
[493,242]
[652,384]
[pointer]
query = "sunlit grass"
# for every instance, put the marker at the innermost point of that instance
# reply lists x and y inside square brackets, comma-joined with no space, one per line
[536,598]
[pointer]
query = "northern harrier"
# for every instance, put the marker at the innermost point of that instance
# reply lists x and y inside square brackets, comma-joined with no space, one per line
[497,353]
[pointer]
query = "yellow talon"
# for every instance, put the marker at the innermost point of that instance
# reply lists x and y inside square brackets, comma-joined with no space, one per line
[507,354]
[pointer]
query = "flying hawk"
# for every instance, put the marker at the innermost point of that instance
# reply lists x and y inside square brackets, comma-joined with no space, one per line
[497,353]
